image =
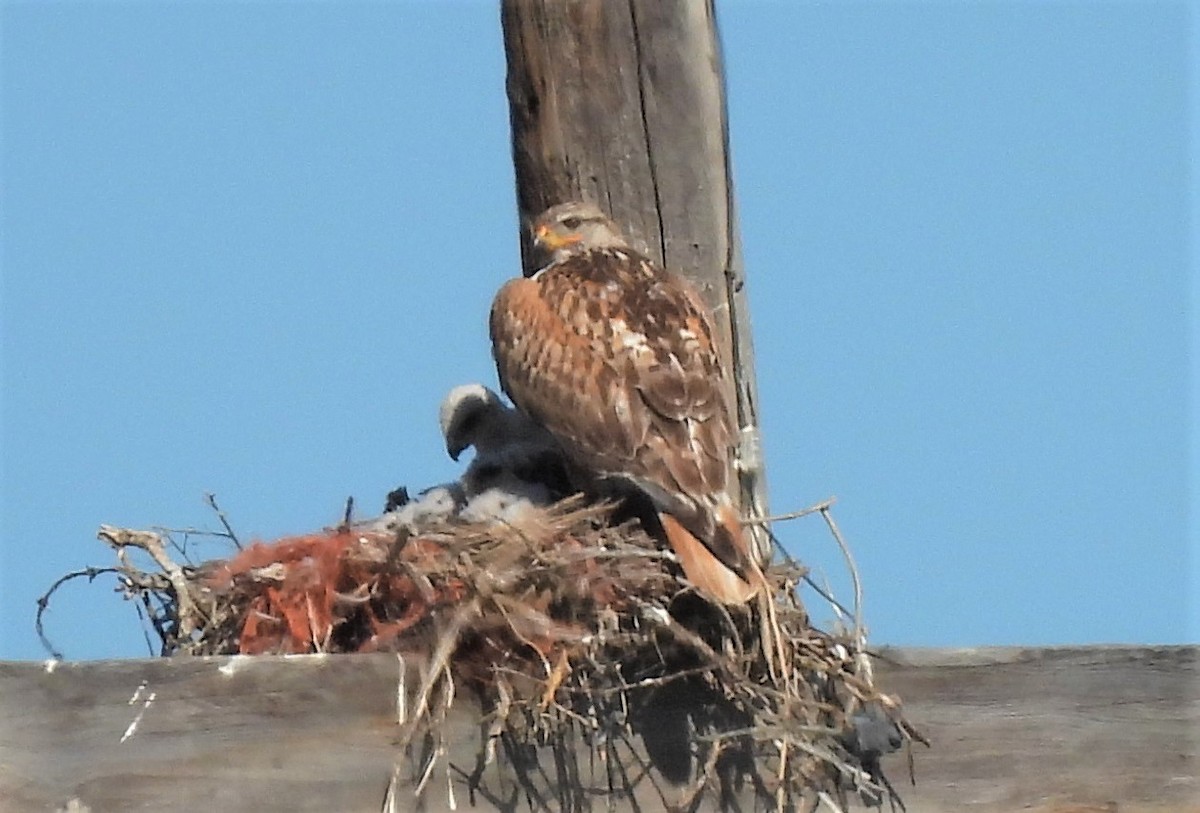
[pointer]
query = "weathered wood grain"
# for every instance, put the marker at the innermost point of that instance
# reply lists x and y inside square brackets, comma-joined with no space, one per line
[1075,729]
[623,103]
[1069,729]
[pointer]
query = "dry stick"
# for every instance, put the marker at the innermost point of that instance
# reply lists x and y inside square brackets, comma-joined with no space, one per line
[823,509]
[401,691]
[772,636]
[647,772]
[827,756]
[861,657]
[439,749]
[152,543]
[318,640]
[803,512]
[211,499]
[144,615]
[781,730]
[832,805]
[659,617]
[593,553]
[812,509]
[524,771]
[692,796]
[838,610]
[782,774]
[186,533]
[646,683]
[439,662]
[450,801]
[389,797]
[427,770]
[492,732]
[825,594]
[638,767]
[860,640]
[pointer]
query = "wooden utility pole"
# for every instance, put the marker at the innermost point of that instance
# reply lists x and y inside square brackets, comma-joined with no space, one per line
[623,104]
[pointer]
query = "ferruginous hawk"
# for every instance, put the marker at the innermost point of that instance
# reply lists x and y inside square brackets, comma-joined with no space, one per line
[615,357]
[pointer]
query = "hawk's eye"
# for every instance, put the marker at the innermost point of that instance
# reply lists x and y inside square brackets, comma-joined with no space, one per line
[573,222]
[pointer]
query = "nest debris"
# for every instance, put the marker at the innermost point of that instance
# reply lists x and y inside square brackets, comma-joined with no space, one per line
[579,638]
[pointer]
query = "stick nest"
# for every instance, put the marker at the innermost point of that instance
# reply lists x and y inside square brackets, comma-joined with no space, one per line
[597,668]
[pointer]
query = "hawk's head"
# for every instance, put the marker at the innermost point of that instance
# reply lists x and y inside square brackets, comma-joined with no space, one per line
[469,414]
[570,228]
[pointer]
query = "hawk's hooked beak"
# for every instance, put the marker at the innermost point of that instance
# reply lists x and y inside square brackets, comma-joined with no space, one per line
[455,448]
[546,236]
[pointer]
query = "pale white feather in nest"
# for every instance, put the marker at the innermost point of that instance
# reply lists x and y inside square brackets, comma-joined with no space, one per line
[517,464]
[433,506]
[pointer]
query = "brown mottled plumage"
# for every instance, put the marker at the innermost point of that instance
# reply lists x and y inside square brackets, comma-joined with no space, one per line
[616,358]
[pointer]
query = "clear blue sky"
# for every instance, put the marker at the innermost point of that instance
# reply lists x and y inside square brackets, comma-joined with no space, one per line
[247,247]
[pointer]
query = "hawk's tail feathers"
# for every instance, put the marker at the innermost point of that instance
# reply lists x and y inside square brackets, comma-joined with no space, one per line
[703,569]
